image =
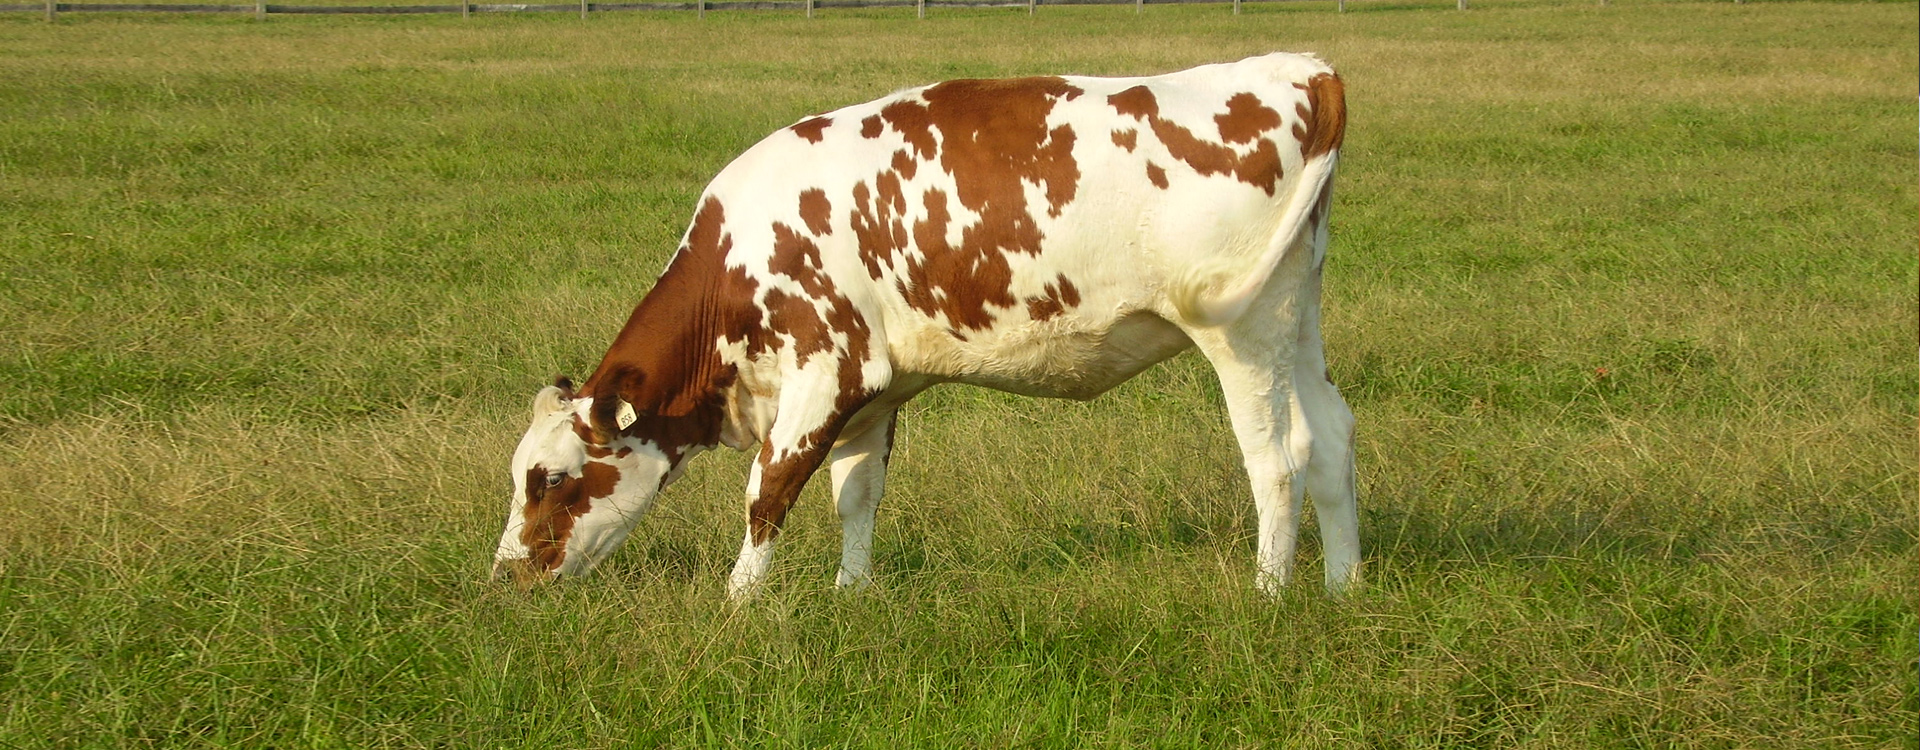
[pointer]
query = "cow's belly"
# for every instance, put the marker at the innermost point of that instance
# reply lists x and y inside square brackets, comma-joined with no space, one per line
[1066,357]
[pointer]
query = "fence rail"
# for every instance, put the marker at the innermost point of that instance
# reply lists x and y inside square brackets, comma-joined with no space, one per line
[273,8]
[52,9]
[262,10]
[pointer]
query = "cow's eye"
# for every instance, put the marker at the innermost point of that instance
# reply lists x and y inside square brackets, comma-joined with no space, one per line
[553,480]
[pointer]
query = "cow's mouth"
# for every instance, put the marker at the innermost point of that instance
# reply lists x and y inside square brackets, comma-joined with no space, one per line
[523,573]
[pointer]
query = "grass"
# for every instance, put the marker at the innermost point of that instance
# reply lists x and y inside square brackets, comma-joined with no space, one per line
[1624,298]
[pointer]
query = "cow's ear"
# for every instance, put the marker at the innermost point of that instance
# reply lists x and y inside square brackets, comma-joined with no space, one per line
[612,413]
[551,399]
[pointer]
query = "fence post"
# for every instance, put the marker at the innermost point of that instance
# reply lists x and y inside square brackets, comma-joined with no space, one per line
[1030,4]
[1236,7]
[53,9]
[583,10]
[921,6]
[466,9]
[1139,6]
[703,9]
[1343,6]
[809,8]
[260,10]
[1463,4]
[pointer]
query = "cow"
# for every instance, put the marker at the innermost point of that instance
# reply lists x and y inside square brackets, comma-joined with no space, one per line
[1047,236]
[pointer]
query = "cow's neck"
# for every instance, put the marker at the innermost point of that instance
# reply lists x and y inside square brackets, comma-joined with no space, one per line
[665,361]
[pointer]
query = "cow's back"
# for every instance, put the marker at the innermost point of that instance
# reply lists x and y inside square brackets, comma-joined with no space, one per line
[1022,233]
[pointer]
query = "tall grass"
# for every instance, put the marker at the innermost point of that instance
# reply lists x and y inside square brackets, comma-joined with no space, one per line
[1624,298]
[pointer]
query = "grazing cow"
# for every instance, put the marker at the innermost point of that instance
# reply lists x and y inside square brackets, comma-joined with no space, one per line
[1045,236]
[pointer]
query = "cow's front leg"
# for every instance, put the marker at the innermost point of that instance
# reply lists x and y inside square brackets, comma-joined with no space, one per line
[859,471]
[803,432]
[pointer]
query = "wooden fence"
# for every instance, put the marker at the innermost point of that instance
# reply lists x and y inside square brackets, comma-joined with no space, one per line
[261,10]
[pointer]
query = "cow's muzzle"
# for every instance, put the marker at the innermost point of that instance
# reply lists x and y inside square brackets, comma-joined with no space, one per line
[524,574]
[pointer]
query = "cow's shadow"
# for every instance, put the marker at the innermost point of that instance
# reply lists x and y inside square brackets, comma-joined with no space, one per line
[1399,533]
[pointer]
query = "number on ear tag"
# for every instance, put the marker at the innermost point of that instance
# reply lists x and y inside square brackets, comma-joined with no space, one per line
[625,416]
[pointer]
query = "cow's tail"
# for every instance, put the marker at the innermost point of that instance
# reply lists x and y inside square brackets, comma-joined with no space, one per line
[1217,293]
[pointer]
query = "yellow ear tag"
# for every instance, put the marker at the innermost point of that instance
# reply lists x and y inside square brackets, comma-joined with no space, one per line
[625,416]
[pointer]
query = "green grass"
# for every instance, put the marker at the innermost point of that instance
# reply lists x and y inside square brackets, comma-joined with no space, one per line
[1624,298]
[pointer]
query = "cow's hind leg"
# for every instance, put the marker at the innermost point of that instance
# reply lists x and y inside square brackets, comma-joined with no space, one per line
[1255,370]
[1329,474]
[859,469]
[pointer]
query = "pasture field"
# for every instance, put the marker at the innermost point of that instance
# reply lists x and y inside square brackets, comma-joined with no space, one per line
[1624,298]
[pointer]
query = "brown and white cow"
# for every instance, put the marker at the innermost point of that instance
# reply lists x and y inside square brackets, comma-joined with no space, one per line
[1044,236]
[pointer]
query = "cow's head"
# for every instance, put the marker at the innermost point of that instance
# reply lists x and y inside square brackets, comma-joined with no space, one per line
[582,477]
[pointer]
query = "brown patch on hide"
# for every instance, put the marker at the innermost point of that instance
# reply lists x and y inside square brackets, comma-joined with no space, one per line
[871,127]
[1156,175]
[995,136]
[951,280]
[584,431]
[1137,102]
[1126,139]
[910,118]
[794,317]
[796,257]
[1246,119]
[993,140]
[859,349]
[598,479]
[1259,167]
[887,186]
[1058,296]
[905,165]
[800,318]
[816,211]
[879,227]
[550,511]
[812,129]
